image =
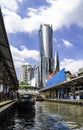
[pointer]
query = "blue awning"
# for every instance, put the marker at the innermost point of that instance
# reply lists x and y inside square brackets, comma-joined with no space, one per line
[57,78]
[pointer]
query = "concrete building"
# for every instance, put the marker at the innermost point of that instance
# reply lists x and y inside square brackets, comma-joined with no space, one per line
[37,75]
[34,78]
[25,73]
[30,74]
[46,62]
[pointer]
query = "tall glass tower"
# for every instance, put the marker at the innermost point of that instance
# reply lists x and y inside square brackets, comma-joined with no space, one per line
[46,52]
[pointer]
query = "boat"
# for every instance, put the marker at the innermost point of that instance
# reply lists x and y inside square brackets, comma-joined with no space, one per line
[26,102]
[39,98]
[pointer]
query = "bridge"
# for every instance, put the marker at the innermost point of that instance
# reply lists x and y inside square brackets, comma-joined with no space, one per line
[30,90]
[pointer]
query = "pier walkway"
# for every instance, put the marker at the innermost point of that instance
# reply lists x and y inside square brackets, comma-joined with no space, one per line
[67,101]
[6,104]
[3,103]
[5,108]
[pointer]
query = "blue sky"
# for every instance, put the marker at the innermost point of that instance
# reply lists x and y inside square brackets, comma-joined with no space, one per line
[22,20]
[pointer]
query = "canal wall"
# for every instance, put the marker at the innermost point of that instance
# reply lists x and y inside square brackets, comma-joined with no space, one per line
[66,101]
[5,108]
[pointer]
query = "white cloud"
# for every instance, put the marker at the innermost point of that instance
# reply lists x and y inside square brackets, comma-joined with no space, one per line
[13,20]
[21,1]
[60,13]
[54,39]
[67,43]
[71,65]
[58,45]
[21,56]
[11,5]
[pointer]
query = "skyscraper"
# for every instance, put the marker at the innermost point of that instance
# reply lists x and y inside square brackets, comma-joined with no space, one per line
[57,67]
[46,52]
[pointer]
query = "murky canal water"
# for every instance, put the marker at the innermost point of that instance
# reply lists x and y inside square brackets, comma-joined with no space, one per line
[46,116]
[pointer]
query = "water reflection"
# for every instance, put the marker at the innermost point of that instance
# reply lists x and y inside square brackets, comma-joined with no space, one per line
[47,119]
[71,115]
[24,120]
[19,120]
[46,116]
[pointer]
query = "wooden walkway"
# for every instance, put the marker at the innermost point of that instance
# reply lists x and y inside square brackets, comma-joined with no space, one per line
[67,101]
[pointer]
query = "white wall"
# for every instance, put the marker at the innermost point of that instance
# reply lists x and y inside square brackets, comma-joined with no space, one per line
[33,82]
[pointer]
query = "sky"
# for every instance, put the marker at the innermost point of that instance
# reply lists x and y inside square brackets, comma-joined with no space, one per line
[22,20]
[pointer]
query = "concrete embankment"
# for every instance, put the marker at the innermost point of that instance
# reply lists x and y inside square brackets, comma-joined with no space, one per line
[66,101]
[5,108]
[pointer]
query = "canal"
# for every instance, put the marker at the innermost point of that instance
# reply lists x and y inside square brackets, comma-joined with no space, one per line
[46,116]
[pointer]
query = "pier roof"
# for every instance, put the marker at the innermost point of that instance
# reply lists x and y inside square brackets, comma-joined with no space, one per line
[5,56]
[76,81]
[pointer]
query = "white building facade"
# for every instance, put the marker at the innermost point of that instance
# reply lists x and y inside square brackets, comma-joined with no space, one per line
[25,73]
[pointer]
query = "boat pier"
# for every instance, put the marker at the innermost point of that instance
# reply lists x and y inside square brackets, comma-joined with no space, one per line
[70,92]
[8,79]
[5,108]
[66,101]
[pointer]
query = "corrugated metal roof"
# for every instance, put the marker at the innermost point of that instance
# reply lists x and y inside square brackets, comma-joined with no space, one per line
[5,53]
[77,80]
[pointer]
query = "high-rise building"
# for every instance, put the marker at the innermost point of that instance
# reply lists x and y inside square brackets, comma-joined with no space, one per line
[57,66]
[46,52]
[25,73]
[37,76]
[34,76]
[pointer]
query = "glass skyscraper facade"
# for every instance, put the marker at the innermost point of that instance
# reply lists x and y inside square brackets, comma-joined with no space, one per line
[46,52]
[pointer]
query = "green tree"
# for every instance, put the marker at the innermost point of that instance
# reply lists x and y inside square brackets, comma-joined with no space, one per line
[23,85]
